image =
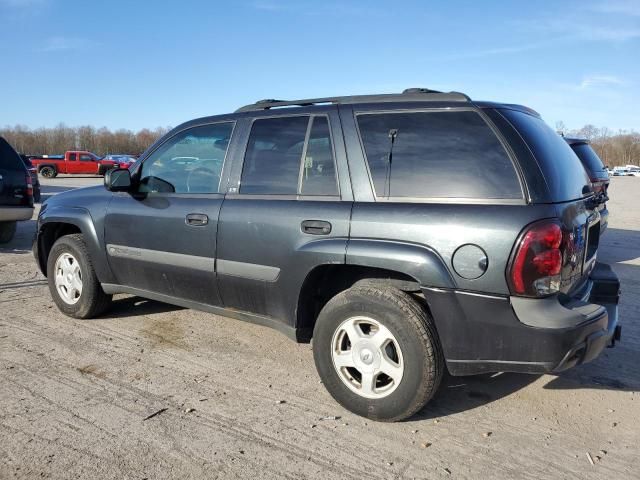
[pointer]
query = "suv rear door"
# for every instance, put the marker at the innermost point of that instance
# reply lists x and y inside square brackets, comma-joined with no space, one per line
[161,238]
[287,210]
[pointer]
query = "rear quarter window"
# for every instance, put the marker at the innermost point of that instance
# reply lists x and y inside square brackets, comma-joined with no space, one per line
[564,174]
[9,159]
[436,154]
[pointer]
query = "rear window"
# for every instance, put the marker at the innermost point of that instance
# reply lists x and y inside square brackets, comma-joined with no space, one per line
[563,171]
[588,157]
[289,156]
[438,154]
[9,159]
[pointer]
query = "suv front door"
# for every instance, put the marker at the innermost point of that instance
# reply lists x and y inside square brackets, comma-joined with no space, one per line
[162,237]
[285,211]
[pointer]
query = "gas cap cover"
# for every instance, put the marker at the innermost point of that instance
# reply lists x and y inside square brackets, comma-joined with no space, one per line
[470,261]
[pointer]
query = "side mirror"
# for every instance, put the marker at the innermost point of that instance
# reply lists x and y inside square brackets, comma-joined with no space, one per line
[117,180]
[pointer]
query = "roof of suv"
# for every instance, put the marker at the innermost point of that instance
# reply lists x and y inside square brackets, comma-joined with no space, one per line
[408,95]
[576,141]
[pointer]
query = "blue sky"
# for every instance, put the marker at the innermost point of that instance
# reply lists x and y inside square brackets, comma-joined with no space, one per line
[134,64]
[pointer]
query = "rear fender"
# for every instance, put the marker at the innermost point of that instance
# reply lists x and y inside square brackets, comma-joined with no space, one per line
[417,261]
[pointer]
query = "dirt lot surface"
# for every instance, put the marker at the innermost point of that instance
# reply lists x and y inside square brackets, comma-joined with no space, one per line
[242,401]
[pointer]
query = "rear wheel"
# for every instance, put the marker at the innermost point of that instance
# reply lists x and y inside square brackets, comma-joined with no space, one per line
[48,172]
[72,281]
[7,231]
[377,352]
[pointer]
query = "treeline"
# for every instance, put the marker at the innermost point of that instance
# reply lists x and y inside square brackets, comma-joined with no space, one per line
[615,149]
[619,148]
[57,140]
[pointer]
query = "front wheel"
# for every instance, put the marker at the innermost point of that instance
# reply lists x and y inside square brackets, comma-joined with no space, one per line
[72,280]
[377,352]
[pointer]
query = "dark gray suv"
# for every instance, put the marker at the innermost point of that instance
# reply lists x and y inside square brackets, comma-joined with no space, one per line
[405,234]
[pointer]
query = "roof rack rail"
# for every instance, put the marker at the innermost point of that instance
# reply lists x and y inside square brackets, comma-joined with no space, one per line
[409,94]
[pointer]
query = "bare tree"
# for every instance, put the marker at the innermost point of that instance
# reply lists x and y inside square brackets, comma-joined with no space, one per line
[57,140]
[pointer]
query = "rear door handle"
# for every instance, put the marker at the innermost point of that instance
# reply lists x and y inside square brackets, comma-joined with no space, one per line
[316,227]
[197,219]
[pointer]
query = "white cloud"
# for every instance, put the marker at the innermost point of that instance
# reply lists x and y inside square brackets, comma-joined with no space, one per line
[269,6]
[582,28]
[57,44]
[624,7]
[499,50]
[600,81]
[22,4]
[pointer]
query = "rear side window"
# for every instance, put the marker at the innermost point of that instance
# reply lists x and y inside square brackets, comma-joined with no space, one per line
[588,157]
[450,154]
[563,171]
[289,156]
[72,157]
[9,159]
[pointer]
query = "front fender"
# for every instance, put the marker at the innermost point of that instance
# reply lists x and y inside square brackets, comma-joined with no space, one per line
[80,218]
[417,261]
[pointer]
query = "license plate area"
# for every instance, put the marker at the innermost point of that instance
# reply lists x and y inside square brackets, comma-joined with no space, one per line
[593,240]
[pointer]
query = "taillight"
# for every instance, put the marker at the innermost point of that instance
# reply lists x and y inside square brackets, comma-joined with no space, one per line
[29,185]
[597,186]
[537,261]
[29,198]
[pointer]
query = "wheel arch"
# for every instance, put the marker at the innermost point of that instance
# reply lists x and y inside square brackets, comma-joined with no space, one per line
[57,222]
[404,266]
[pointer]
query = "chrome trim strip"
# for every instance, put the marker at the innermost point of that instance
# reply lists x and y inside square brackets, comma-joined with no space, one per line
[204,264]
[248,270]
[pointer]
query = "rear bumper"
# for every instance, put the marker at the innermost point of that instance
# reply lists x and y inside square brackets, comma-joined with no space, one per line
[482,334]
[12,214]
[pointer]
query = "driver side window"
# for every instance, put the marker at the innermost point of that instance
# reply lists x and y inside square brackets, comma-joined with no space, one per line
[189,162]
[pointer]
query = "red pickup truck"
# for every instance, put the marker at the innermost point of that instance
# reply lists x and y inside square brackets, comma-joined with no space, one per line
[74,162]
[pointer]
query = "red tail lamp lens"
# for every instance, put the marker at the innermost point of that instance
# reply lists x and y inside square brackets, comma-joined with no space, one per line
[537,259]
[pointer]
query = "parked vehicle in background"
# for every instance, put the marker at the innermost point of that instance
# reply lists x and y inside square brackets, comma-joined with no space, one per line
[120,158]
[597,172]
[35,181]
[633,170]
[621,171]
[78,162]
[405,233]
[16,191]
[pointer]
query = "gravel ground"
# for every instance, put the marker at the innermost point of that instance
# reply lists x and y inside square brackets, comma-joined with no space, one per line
[235,400]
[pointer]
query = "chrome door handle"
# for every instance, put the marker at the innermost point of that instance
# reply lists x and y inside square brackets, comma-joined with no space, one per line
[316,227]
[197,219]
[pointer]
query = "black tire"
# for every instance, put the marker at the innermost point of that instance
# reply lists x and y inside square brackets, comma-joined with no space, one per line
[415,333]
[48,171]
[7,231]
[92,301]
[37,195]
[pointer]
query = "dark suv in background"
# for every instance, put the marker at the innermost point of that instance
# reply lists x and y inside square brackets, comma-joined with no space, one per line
[404,234]
[597,173]
[16,191]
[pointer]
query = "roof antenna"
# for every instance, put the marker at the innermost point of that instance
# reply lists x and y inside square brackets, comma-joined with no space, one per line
[393,133]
